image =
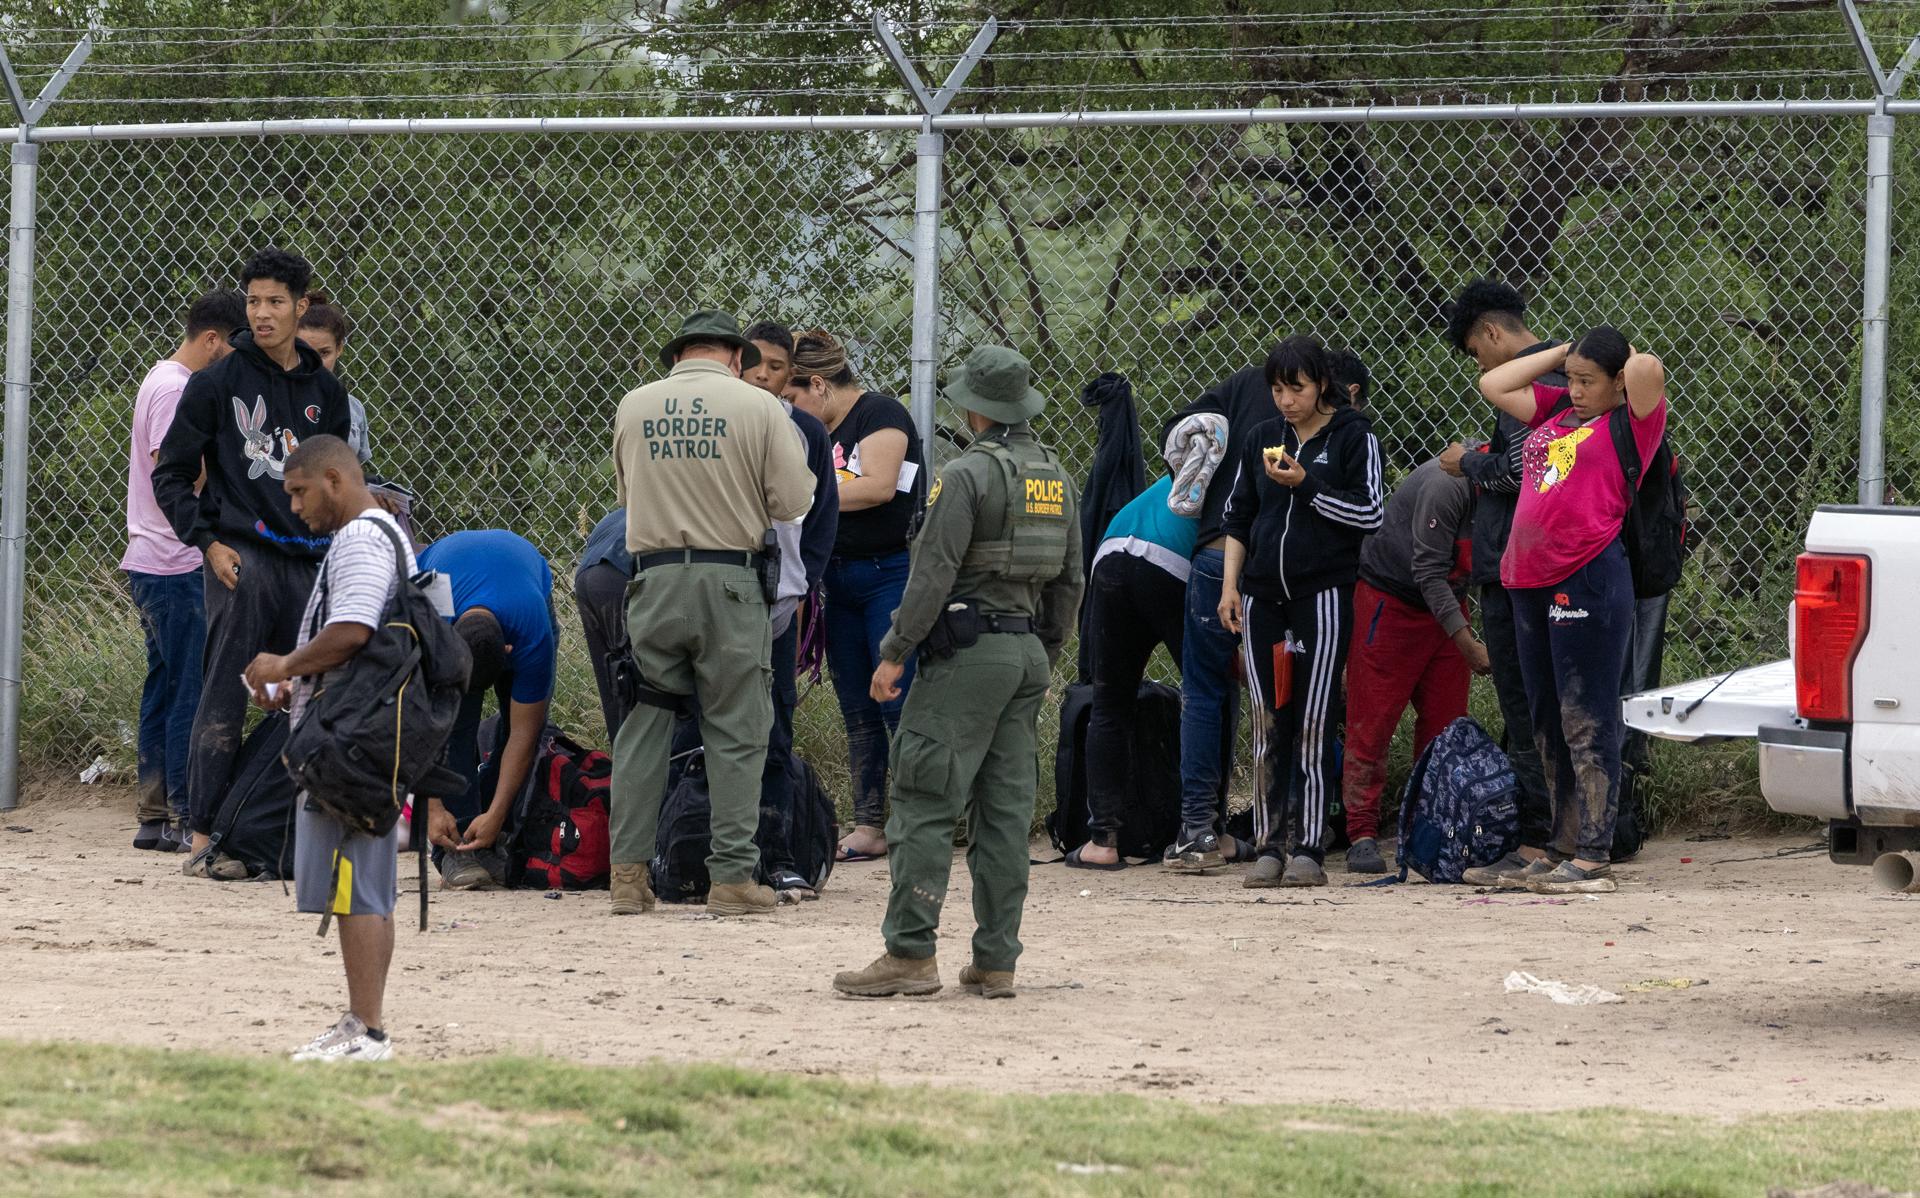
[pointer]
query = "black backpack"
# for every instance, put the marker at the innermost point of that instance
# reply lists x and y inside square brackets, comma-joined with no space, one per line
[815,831]
[685,834]
[376,728]
[254,822]
[1656,534]
[1150,820]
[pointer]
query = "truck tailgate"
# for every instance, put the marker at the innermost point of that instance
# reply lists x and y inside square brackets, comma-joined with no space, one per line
[1718,707]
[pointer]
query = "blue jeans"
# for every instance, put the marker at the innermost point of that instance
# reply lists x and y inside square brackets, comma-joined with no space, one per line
[1573,639]
[861,597]
[1209,696]
[173,616]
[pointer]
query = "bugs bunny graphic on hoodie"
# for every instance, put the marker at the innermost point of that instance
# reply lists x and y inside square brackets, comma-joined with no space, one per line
[242,416]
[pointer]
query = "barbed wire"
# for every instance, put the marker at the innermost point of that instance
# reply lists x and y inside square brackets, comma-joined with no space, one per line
[48,37]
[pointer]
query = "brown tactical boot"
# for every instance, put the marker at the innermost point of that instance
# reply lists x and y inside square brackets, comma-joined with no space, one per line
[890,976]
[987,983]
[632,890]
[741,898]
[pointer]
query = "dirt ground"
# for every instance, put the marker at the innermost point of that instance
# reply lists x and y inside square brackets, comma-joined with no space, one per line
[1805,983]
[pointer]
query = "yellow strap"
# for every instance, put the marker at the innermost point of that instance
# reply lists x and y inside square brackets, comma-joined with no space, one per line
[342,884]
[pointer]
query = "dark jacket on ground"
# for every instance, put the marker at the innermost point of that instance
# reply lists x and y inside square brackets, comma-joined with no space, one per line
[1415,555]
[1495,475]
[243,415]
[1246,400]
[1307,538]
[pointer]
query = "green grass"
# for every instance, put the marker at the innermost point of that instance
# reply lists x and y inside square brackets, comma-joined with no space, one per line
[85,1120]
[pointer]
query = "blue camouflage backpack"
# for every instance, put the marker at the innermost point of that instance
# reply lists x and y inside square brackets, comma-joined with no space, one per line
[1461,807]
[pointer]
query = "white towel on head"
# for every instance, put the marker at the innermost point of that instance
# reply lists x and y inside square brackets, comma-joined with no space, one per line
[1194,450]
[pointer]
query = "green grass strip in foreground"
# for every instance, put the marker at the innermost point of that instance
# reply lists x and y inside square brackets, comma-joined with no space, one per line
[85,1119]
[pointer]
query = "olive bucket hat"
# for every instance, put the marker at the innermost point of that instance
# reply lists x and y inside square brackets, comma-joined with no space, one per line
[709,325]
[997,383]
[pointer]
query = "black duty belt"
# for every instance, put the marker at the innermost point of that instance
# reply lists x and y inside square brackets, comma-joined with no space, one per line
[993,622]
[696,557]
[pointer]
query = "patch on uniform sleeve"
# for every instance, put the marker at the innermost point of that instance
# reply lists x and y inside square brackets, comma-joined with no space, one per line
[935,493]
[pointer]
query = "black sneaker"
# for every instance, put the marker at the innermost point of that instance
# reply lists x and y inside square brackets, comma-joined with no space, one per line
[151,832]
[1196,852]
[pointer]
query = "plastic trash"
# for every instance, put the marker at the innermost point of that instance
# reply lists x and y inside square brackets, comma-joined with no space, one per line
[1560,992]
[93,773]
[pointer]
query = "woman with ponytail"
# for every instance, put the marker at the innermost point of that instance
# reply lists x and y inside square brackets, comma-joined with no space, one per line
[1567,573]
[877,455]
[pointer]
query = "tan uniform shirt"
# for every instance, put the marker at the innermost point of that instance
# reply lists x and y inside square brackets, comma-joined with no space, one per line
[703,460]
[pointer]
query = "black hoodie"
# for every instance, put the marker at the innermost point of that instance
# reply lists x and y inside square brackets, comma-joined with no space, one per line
[1304,539]
[242,416]
[1246,399]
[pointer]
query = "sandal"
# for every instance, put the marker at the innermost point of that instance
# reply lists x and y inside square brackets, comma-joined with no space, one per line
[842,855]
[791,887]
[1243,851]
[1073,861]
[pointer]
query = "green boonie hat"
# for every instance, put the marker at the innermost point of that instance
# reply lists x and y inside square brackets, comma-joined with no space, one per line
[710,325]
[997,383]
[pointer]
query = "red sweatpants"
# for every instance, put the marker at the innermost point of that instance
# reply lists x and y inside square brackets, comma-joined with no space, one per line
[1399,655]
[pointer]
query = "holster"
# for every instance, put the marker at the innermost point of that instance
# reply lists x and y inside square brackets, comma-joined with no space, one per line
[632,687]
[770,567]
[956,628]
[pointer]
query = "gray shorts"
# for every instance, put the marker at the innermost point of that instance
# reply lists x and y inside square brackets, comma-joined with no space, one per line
[369,880]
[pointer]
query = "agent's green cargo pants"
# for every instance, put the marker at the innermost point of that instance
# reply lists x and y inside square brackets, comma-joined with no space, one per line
[968,743]
[701,630]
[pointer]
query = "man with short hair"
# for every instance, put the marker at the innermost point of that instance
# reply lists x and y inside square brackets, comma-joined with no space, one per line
[239,419]
[806,546]
[1487,322]
[503,609]
[355,878]
[705,465]
[165,580]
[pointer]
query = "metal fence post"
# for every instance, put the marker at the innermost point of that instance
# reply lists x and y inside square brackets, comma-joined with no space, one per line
[1873,330]
[929,157]
[13,475]
[929,150]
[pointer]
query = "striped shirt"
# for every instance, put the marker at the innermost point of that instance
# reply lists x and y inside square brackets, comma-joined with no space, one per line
[355,585]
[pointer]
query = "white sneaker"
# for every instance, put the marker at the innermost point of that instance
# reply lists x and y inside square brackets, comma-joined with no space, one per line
[346,1040]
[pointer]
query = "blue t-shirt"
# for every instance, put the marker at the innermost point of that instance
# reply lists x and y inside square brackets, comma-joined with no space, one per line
[1147,528]
[504,573]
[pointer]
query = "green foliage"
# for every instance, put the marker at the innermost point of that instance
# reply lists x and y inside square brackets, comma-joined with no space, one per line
[507,290]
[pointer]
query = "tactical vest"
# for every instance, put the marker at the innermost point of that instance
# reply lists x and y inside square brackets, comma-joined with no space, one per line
[1033,546]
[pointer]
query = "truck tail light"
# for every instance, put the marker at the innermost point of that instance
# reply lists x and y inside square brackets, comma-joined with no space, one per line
[1830,621]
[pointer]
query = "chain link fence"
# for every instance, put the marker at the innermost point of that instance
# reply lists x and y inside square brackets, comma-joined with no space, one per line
[505,290]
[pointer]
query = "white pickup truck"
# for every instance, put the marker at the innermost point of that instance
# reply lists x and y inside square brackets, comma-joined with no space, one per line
[1838,723]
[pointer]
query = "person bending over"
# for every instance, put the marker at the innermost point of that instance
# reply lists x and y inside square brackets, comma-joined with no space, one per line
[1412,642]
[503,609]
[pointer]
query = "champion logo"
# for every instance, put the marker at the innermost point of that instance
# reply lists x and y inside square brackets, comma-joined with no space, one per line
[313,413]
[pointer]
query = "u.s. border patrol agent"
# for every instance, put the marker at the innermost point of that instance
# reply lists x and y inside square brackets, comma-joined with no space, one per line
[994,591]
[705,464]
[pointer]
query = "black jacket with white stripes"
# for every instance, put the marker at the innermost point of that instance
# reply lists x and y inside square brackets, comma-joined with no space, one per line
[1304,539]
